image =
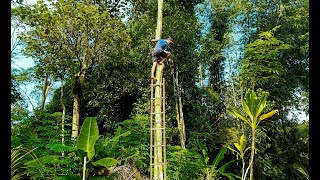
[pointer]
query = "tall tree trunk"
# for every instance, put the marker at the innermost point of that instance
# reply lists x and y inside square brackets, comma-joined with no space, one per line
[179,111]
[182,126]
[63,114]
[76,100]
[158,169]
[75,116]
[159,19]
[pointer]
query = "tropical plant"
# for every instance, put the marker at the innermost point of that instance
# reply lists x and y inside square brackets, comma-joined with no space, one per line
[250,113]
[17,169]
[89,134]
[303,171]
[213,171]
[241,149]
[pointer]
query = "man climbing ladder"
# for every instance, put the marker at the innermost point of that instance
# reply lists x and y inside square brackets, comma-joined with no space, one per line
[160,51]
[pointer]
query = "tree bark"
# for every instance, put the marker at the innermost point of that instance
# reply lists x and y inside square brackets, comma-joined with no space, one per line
[75,116]
[76,100]
[63,114]
[182,126]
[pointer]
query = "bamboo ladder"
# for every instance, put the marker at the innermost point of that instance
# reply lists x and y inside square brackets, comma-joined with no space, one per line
[155,128]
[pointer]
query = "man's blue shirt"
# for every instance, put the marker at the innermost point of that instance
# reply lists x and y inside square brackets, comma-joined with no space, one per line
[162,44]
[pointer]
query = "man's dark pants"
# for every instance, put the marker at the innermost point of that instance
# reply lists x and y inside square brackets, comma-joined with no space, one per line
[157,53]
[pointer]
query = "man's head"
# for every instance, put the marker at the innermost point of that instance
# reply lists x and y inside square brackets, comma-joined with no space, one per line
[170,40]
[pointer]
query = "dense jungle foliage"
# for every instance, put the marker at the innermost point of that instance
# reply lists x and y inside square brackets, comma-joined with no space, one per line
[237,77]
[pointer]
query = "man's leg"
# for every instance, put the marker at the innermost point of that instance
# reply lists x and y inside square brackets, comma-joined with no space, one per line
[166,55]
[154,64]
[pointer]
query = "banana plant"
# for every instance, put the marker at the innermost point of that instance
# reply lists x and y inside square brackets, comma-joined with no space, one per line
[250,113]
[89,134]
[241,149]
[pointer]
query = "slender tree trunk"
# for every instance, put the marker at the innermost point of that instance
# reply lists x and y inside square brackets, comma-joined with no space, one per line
[200,75]
[182,128]
[252,152]
[243,167]
[63,114]
[201,83]
[45,90]
[159,19]
[179,112]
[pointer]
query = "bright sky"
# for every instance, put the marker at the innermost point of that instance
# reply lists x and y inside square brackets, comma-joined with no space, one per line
[21,62]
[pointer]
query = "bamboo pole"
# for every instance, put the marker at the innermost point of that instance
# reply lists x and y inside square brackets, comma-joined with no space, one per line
[158,153]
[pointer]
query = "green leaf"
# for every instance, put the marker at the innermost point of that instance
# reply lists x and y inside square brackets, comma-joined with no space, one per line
[237,146]
[88,136]
[61,147]
[204,152]
[226,165]
[246,149]
[230,175]
[261,103]
[302,170]
[246,108]
[267,115]
[115,139]
[242,142]
[106,162]
[232,149]
[237,114]
[219,157]
[48,159]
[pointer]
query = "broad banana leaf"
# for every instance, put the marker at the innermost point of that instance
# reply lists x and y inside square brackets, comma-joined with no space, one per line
[88,136]
[106,162]
[61,147]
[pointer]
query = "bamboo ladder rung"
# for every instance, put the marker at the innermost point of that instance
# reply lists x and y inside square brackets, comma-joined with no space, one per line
[158,145]
[158,164]
[158,98]
[158,128]
[158,113]
[160,84]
